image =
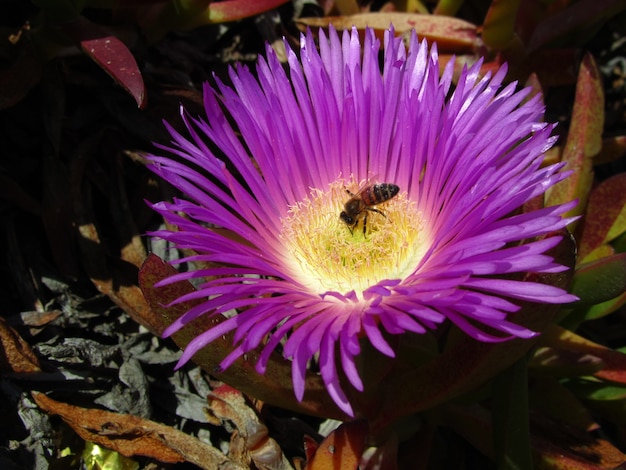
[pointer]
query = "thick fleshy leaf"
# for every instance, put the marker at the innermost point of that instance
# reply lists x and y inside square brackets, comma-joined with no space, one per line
[555,445]
[274,387]
[600,280]
[342,449]
[551,397]
[448,7]
[560,447]
[577,16]
[231,10]
[110,54]
[613,148]
[554,67]
[510,417]
[584,139]
[19,75]
[605,400]
[559,362]
[467,363]
[605,218]
[614,368]
[499,24]
[604,308]
[451,34]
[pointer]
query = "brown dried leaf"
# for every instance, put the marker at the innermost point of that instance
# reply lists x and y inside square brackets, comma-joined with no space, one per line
[451,34]
[16,355]
[126,296]
[252,441]
[130,435]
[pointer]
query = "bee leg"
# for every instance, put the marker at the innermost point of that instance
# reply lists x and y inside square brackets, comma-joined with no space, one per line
[365,226]
[377,211]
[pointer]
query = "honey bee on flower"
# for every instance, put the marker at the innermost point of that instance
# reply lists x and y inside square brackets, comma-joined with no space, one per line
[466,159]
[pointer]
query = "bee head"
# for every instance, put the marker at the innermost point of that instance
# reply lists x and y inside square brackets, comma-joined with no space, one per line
[347,219]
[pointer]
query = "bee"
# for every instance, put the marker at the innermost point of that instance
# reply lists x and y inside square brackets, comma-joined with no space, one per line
[359,204]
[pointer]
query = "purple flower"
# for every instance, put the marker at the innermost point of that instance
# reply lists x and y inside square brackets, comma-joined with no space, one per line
[262,199]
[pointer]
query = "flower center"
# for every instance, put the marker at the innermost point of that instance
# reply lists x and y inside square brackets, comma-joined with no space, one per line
[366,244]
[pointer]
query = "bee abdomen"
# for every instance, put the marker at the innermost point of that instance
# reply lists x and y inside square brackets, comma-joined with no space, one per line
[380,193]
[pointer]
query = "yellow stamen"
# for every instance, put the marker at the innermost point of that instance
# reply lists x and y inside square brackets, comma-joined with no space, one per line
[327,256]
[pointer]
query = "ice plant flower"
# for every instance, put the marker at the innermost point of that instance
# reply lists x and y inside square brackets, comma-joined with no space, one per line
[266,175]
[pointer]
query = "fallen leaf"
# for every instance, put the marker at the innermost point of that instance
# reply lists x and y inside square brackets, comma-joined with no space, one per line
[16,355]
[252,439]
[130,435]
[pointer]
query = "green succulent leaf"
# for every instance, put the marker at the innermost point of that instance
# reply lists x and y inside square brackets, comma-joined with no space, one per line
[601,280]
[510,418]
[499,25]
[569,343]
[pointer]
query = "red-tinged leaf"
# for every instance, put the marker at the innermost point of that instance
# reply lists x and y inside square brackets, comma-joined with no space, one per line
[575,17]
[273,387]
[466,363]
[554,67]
[529,13]
[110,54]
[499,25]
[451,34]
[130,435]
[613,148]
[560,362]
[231,10]
[601,280]
[584,139]
[614,368]
[560,447]
[342,449]
[605,218]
